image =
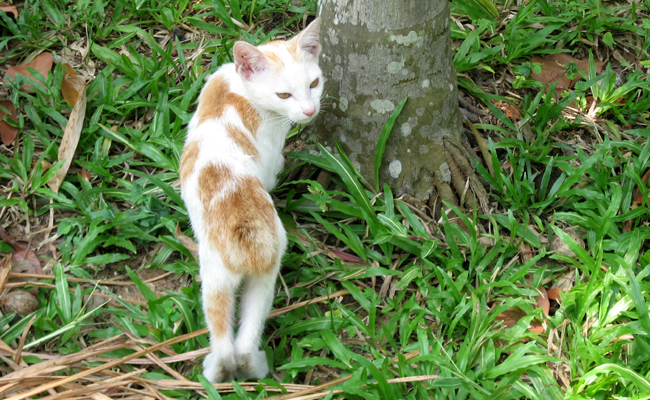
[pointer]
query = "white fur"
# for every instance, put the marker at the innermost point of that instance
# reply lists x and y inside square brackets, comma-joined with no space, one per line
[259,82]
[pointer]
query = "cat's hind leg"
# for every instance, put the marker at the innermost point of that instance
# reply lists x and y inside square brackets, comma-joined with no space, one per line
[218,292]
[256,302]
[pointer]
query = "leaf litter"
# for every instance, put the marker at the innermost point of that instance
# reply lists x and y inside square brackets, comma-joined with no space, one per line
[73,88]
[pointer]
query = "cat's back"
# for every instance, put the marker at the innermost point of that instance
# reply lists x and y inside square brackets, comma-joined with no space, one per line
[222,102]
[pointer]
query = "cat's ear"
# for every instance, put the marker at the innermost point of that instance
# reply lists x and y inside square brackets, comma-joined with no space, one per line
[248,59]
[308,39]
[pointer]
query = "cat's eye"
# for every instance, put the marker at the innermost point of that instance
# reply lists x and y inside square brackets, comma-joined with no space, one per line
[314,84]
[284,96]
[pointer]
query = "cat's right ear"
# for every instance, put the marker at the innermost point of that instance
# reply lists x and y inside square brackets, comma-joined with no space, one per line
[248,59]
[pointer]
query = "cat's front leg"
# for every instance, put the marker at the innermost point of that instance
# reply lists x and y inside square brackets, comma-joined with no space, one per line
[219,305]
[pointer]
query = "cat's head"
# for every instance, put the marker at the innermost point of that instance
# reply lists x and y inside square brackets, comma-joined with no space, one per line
[284,76]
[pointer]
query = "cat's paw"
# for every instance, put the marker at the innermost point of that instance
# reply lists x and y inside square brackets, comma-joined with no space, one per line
[252,365]
[219,368]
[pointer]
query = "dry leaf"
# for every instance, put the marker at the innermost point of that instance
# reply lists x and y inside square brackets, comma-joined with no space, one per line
[68,90]
[25,261]
[542,300]
[8,132]
[42,63]
[511,316]
[553,66]
[554,294]
[71,134]
[558,245]
[510,110]
[5,269]
[84,173]
[9,9]
[186,241]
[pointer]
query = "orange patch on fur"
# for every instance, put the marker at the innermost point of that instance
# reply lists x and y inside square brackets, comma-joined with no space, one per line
[188,159]
[242,140]
[292,46]
[242,226]
[274,57]
[211,181]
[219,311]
[217,96]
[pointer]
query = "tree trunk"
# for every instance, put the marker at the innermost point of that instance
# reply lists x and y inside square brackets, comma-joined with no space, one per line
[376,53]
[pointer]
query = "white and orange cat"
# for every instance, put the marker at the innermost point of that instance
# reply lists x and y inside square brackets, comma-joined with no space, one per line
[230,161]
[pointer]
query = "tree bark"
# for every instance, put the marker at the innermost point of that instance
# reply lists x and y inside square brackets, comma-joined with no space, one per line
[376,53]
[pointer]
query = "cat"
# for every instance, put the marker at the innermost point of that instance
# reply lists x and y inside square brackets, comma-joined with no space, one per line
[230,161]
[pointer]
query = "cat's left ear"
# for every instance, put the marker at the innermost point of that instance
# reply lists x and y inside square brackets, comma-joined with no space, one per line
[248,59]
[308,39]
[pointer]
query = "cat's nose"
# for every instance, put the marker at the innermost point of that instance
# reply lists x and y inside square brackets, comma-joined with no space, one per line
[309,112]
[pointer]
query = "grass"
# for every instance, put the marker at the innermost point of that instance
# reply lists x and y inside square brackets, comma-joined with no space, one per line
[378,298]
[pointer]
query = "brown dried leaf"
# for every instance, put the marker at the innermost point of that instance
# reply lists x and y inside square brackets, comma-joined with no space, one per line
[553,66]
[510,110]
[71,134]
[542,300]
[42,63]
[9,9]
[554,294]
[69,91]
[5,269]
[511,316]
[186,241]
[8,132]
[563,283]
[25,261]
[558,245]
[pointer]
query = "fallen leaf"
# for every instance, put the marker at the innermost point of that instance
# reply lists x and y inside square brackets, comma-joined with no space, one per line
[346,256]
[563,283]
[553,67]
[525,252]
[7,132]
[186,241]
[71,134]
[25,261]
[84,172]
[510,110]
[9,9]
[554,294]
[542,300]
[68,90]
[42,63]
[558,245]
[5,269]
[511,316]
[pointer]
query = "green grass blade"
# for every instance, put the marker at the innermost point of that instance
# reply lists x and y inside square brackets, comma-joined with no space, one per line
[383,138]
[352,183]
[63,294]
[210,390]
[629,375]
